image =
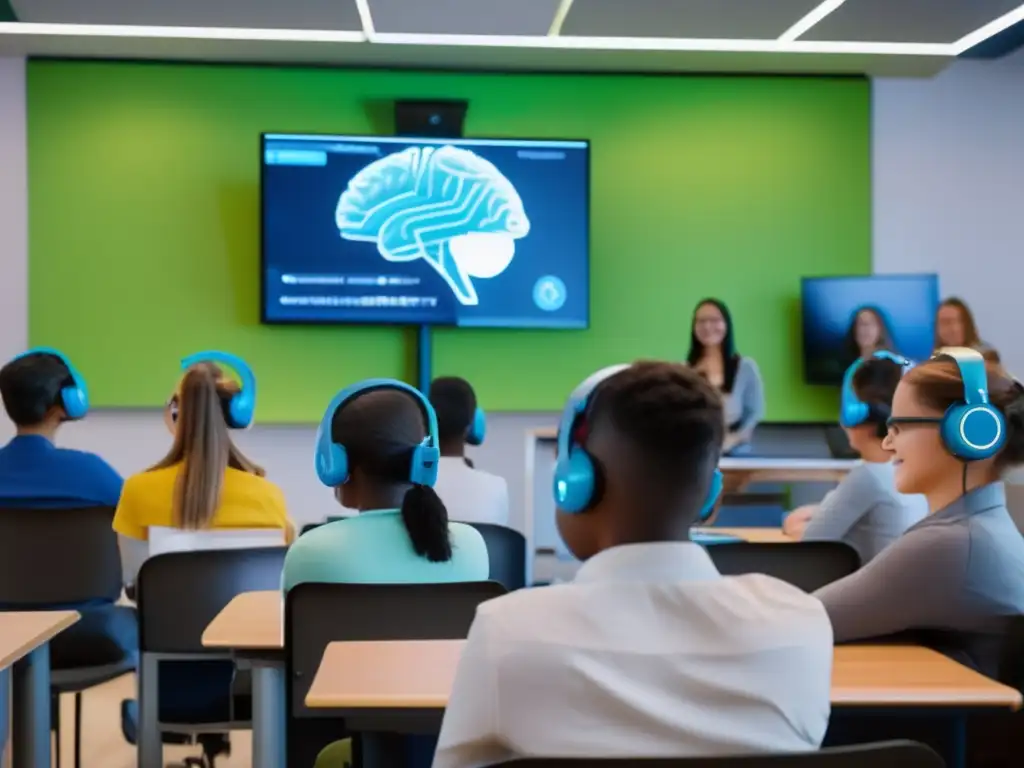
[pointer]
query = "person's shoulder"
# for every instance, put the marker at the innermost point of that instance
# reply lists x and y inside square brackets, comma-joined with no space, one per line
[467,539]
[749,365]
[84,459]
[772,609]
[515,615]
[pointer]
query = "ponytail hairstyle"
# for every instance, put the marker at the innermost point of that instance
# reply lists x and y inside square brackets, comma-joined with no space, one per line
[202,445]
[380,431]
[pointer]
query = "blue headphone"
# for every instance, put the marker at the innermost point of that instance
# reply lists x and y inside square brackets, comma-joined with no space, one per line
[577,475]
[332,463]
[241,408]
[972,429]
[477,428]
[852,410]
[74,398]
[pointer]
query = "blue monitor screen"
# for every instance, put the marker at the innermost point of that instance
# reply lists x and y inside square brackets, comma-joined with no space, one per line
[468,232]
[847,317]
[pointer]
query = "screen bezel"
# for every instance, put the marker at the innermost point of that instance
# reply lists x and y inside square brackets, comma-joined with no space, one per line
[397,323]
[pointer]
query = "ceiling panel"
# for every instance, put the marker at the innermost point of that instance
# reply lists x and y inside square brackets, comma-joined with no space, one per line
[261,14]
[904,21]
[464,17]
[705,19]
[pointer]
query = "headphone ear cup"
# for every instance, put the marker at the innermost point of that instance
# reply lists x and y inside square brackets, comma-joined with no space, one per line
[477,428]
[853,413]
[332,465]
[576,482]
[74,402]
[712,498]
[972,432]
[423,464]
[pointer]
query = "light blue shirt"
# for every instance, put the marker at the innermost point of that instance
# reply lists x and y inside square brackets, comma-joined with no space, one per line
[744,406]
[374,548]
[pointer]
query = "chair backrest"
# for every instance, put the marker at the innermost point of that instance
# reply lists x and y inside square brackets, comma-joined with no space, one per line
[318,614]
[309,527]
[808,565]
[58,557]
[165,540]
[506,549]
[889,754]
[180,593]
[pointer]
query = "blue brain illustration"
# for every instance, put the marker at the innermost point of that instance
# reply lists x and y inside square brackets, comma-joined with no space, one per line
[446,205]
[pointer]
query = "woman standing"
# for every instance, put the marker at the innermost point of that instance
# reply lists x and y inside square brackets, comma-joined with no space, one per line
[713,353]
[868,333]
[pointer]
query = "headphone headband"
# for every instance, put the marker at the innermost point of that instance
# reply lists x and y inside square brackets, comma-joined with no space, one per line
[74,398]
[971,365]
[578,402]
[332,459]
[242,406]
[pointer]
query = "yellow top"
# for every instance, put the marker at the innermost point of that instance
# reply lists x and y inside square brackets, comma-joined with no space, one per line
[246,501]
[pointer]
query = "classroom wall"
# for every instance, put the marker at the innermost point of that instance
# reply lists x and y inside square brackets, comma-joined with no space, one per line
[948,157]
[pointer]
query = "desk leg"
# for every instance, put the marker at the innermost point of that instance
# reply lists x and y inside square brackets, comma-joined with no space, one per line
[31,704]
[268,715]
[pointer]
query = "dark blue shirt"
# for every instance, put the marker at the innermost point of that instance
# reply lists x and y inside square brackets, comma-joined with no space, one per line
[36,473]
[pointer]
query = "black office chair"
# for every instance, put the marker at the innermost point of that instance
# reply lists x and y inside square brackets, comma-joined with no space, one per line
[179,594]
[808,565]
[309,527]
[889,754]
[506,549]
[318,614]
[65,557]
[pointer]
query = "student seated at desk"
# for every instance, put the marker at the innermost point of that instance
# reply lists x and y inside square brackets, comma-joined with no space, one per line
[952,580]
[470,495]
[865,510]
[41,390]
[377,447]
[649,651]
[205,481]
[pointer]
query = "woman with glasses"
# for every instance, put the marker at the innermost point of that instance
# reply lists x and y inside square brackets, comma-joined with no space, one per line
[713,354]
[953,580]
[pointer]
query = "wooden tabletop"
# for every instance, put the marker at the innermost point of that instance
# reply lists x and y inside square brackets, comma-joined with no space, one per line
[21,633]
[419,674]
[753,535]
[251,621]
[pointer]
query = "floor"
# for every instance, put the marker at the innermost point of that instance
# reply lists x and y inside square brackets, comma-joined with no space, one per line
[103,746]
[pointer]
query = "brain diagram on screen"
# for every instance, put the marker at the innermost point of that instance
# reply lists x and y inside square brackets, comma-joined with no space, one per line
[446,205]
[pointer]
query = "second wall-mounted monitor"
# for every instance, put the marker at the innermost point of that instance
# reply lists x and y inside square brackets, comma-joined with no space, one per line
[845,317]
[465,232]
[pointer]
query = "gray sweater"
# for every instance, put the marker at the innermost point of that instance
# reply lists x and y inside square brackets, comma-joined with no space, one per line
[954,577]
[744,406]
[865,511]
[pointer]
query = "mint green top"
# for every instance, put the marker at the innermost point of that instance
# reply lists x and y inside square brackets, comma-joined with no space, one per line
[374,548]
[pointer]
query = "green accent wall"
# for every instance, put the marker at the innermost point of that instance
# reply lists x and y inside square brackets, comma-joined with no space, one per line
[144,222]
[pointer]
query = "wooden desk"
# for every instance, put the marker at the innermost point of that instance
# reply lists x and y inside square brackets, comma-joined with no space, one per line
[24,639]
[251,626]
[252,621]
[752,535]
[419,673]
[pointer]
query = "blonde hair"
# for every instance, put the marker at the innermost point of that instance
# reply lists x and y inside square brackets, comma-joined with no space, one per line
[202,446]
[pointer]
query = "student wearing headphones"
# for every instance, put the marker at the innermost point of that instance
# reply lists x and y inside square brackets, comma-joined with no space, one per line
[865,510]
[205,481]
[41,390]
[377,447]
[470,495]
[648,652]
[952,580]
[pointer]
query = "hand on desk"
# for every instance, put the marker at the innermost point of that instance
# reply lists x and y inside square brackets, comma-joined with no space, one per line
[797,520]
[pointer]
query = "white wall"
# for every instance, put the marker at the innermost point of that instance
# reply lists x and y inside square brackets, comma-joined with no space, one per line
[948,171]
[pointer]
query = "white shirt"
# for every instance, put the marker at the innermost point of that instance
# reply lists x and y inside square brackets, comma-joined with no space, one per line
[471,495]
[649,652]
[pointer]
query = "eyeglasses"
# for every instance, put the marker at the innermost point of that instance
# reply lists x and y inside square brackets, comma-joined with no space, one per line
[898,421]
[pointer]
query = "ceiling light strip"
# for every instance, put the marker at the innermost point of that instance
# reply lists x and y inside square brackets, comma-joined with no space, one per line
[811,19]
[559,20]
[562,42]
[183,33]
[991,29]
[365,17]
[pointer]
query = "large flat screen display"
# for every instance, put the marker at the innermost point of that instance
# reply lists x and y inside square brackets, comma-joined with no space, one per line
[845,318]
[467,232]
